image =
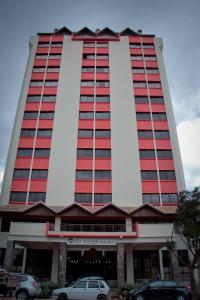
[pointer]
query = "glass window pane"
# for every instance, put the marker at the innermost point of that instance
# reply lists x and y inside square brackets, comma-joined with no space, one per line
[24,152]
[147,154]
[145,134]
[141,99]
[47,115]
[85,133]
[39,174]
[102,175]
[18,197]
[35,98]
[143,116]
[21,173]
[36,197]
[86,98]
[102,133]
[30,115]
[84,174]
[42,153]
[102,115]
[44,133]
[102,152]
[49,98]
[102,198]
[86,115]
[83,198]
[149,175]
[84,152]
[102,98]
[27,133]
[93,284]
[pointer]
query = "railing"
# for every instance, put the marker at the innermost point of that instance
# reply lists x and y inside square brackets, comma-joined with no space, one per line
[93,227]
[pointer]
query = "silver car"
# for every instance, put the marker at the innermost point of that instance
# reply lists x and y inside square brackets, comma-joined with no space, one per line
[83,289]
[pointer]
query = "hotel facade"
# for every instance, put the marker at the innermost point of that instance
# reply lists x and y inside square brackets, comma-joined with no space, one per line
[93,168]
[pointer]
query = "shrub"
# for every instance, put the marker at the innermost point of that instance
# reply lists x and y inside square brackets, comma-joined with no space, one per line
[46,289]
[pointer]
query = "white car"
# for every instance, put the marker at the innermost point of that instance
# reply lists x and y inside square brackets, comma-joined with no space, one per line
[89,289]
[29,287]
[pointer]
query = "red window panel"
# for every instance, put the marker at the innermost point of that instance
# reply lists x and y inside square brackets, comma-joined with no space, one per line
[135,39]
[52,76]
[87,90]
[26,143]
[102,91]
[88,62]
[44,38]
[32,106]
[103,164]
[41,163]
[45,124]
[142,107]
[86,106]
[150,187]
[83,186]
[163,144]
[103,187]
[50,90]
[138,77]
[146,144]
[103,143]
[153,77]
[37,76]
[158,108]
[144,125]
[85,143]
[140,92]
[57,50]
[23,163]
[102,50]
[151,64]
[137,63]
[84,164]
[38,185]
[102,76]
[102,124]
[147,164]
[42,50]
[85,124]
[102,63]
[35,90]
[29,124]
[87,76]
[57,38]
[168,186]
[89,50]
[149,51]
[20,185]
[102,106]
[160,125]
[45,106]
[166,164]
[43,143]
[148,40]
[54,62]
[40,62]
[156,92]
[136,51]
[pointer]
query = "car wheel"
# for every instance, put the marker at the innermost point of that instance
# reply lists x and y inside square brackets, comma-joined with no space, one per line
[101,297]
[62,297]
[139,297]
[180,297]
[22,295]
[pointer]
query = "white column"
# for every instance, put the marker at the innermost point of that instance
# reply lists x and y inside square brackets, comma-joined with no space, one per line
[129,266]
[24,260]
[55,262]
[161,263]
[57,223]
[129,225]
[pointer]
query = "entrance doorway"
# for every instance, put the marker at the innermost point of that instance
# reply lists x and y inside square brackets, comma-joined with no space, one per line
[146,265]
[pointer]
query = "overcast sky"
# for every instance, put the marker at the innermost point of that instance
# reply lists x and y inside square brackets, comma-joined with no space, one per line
[176,21]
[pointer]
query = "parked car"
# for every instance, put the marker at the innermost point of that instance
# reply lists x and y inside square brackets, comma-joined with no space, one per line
[83,289]
[29,287]
[161,289]
[83,277]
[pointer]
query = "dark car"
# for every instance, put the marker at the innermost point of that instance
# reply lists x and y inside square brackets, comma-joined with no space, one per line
[161,289]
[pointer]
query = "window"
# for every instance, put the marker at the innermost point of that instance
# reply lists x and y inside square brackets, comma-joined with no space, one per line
[139,84]
[39,174]
[21,173]
[86,98]
[161,134]
[149,175]
[41,56]
[38,69]
[88,44]
[102,175]
[159,116]
[135,45]
[88,56]
[147,153]
[143,116]
[102,115]
[136,57]
[56,44]
[169,198]
[102,152]
[85,133]
[150,198]
[183,258]
[80,285]
[88,69]
[141,99]
[102,198]
[148,46]
[41,152]
[36,197]
[44,133]
[86,115]
[30,115]
[167,175]
[102,133]
[152,71]
[102,69]
[49,98]
[145,134]
[84,174]
[18,197]
[83,198]
[104,99]
[156,284]
[93,284]
[54,56]
[164,154]
[102,45]
[102,83]
[150,58]
[27,133]
[169,283]
[47,115]
[101,56]
[51,83]
[156,100]
[36,83]
[53,69]
[87,83]
[43,44]
[137,70]
[35,98]
[154,85]
[24,152]
[84,152]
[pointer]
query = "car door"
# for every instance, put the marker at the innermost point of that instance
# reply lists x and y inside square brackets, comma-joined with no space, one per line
[154,291]
[78,290]
[93,290]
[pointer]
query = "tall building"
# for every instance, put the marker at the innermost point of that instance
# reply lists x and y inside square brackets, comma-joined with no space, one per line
[93,168]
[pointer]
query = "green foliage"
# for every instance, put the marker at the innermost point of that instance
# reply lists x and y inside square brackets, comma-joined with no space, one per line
[47,287]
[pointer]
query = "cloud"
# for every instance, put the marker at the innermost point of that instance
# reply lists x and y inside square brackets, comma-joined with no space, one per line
[189,141]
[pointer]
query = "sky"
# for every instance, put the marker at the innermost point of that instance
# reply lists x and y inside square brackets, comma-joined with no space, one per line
[176,21]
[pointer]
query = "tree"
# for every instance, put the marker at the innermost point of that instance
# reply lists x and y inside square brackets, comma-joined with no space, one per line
[187,225]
